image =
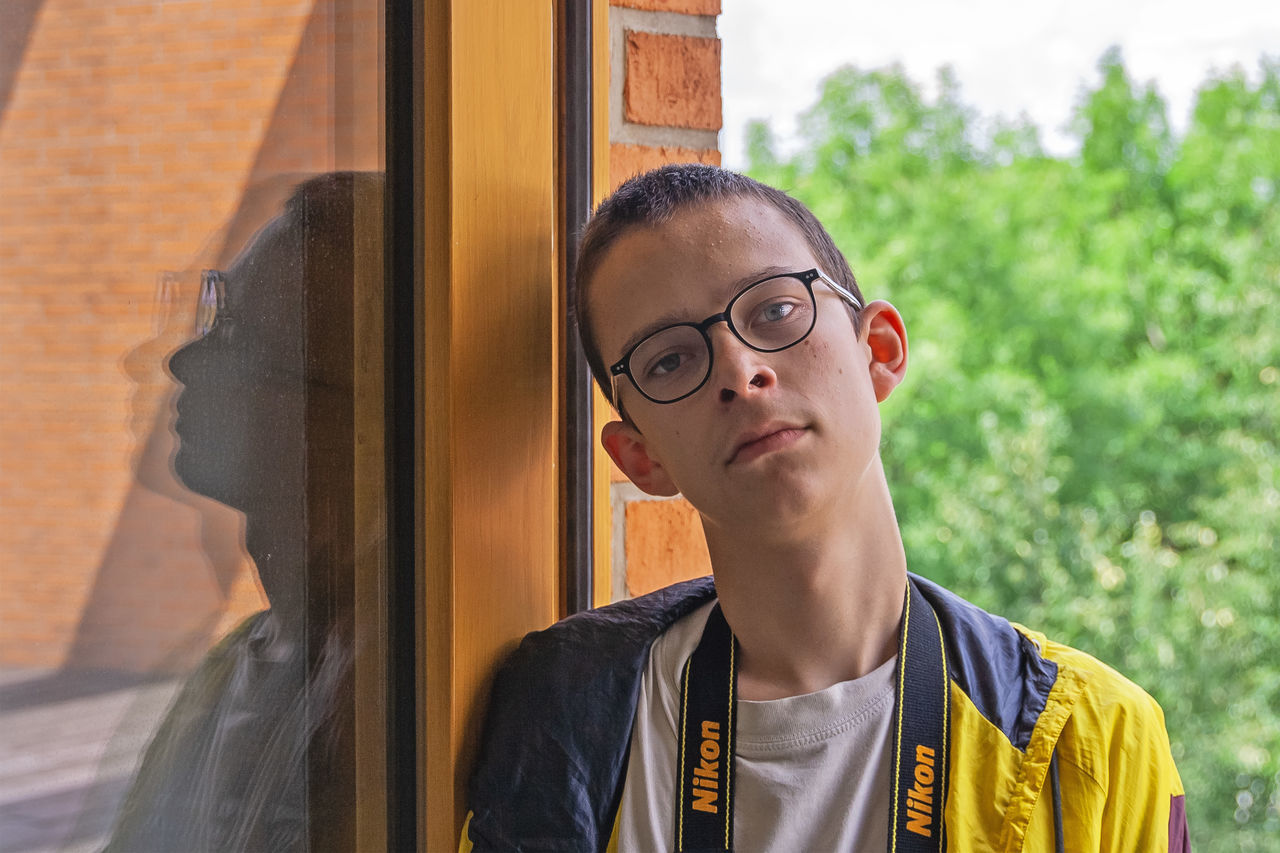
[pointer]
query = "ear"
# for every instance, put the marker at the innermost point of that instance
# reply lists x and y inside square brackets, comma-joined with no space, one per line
[886,337]
[628,450]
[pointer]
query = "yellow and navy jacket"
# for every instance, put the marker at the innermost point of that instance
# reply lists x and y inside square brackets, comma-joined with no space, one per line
[1036,728]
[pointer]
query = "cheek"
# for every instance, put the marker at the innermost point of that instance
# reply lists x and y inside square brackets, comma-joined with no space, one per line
[828,374]
[819,363]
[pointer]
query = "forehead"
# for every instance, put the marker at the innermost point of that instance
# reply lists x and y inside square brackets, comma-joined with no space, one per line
[268,272]
[689,266]
[266,252]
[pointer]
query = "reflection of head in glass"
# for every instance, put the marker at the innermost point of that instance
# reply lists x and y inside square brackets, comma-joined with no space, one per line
[239,415]
[265,417]
[259,746]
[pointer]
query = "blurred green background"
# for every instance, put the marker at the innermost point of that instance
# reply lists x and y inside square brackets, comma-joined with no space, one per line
[1087,438]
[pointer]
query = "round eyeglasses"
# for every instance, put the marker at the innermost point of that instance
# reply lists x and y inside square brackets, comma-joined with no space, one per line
[770,315]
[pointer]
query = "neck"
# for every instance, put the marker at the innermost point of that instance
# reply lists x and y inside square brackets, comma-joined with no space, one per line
[275,542]
[809,613]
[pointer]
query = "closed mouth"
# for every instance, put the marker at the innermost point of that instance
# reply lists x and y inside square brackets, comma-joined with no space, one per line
[772,438]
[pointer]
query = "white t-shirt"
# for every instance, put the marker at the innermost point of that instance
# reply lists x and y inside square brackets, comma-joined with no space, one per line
[812,771]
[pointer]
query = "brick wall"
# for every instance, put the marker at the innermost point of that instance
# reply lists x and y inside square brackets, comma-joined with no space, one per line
[665,107]
[140,141]
[664,86]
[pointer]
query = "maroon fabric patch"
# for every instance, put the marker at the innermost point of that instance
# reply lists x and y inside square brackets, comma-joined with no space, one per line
[1179,842]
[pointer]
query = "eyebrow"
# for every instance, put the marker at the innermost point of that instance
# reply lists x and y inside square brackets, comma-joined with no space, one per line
[673,318]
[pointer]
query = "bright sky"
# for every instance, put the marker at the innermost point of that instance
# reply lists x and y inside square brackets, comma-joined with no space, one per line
[1009,57]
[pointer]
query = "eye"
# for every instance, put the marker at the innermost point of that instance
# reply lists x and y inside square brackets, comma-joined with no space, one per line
[667,363]
[777,311]
[668,360]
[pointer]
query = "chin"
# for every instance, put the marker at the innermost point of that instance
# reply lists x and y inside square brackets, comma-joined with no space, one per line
[194,471]
[789,505]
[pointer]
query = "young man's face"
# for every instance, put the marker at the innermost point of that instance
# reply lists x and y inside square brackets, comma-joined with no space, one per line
[782,438]
[240,414]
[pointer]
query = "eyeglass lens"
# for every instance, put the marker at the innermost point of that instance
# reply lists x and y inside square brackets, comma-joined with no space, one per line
[212,296]
[768,316]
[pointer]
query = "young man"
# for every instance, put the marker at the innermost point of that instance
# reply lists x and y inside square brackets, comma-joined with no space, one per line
[814,696]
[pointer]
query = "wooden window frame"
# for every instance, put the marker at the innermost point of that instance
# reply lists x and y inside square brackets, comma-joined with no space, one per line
[490,437]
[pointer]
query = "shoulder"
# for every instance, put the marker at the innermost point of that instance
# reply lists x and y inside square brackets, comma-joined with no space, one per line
[605,642]
[1012,674]
[1115,756]
[1121,787]
[998,668]
[559,720]
[1100,686]
[1115,726]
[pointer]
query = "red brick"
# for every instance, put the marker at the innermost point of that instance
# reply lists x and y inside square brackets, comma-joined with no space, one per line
[126,10]
[689,7]
[628,160]
[664,544]
[672,81]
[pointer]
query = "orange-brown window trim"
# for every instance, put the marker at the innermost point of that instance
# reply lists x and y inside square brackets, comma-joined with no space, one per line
[489,311]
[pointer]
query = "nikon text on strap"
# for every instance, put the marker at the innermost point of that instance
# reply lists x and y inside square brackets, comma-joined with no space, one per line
[704,783]
[919,761]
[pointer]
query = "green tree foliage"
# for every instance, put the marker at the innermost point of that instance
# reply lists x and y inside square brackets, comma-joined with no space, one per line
[1087,439]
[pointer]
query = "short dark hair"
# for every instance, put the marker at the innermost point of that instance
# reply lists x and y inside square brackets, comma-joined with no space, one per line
[654,197]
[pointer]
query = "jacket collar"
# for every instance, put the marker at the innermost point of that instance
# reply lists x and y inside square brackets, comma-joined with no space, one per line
[1000,670]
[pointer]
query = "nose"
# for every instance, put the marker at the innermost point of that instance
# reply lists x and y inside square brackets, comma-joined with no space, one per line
[183,359]
[737,368]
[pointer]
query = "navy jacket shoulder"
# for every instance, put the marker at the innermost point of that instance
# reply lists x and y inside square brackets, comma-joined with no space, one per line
[554,750]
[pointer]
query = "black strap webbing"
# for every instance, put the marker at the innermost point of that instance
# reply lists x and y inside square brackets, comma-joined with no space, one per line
[921,721]
[704,782]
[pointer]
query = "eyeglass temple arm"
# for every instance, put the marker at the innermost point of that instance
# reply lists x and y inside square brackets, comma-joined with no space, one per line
[840,289]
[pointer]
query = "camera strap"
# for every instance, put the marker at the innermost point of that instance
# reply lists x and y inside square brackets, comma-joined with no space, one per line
[919,760]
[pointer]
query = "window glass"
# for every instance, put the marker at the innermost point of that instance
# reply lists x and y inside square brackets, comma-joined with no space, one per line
[191,512]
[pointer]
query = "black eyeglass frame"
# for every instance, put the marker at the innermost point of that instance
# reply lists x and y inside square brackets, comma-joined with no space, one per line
[622,367]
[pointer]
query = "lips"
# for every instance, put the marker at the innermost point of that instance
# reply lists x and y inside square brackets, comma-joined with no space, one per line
[767,439]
